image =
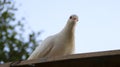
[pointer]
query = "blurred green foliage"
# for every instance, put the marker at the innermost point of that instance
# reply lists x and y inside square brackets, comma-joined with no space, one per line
[13,46]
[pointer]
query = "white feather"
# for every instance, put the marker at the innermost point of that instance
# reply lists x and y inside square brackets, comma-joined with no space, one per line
[59,44]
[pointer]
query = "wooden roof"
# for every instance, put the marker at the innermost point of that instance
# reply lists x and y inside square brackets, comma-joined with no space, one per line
[94,59]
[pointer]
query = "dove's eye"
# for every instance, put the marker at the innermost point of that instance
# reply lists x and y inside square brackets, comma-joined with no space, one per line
[70,17]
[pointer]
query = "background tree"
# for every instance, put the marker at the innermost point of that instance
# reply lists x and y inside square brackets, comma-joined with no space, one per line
[13,45]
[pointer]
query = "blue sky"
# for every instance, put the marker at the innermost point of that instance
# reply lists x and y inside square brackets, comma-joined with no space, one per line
[99,21]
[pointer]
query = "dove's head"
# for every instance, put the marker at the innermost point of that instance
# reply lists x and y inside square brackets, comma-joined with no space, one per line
[73,18]
[70,26]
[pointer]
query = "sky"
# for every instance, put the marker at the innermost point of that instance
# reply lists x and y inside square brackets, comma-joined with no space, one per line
[98,28]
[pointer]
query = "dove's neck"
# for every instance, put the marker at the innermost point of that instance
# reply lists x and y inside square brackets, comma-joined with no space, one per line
[69,29]
[67,36]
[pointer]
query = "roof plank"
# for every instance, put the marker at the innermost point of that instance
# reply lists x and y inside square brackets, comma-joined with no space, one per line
[94,59]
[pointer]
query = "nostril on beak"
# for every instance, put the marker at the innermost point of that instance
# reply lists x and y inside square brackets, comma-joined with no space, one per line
[74,18]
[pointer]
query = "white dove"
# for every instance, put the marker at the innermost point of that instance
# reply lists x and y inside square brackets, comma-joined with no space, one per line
[59,44]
